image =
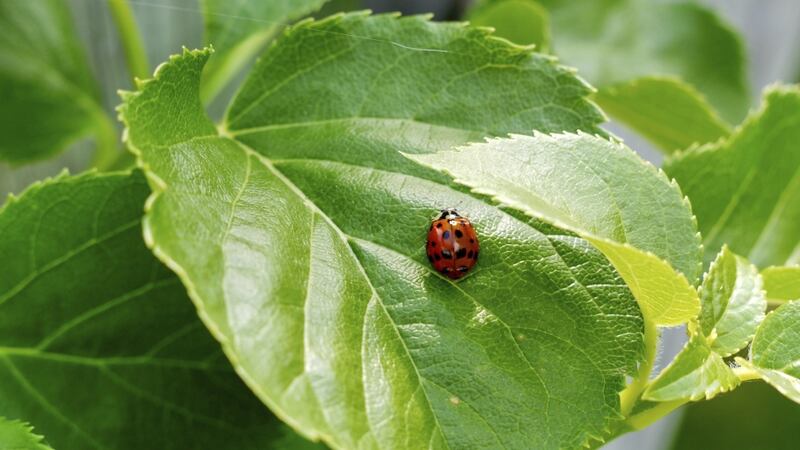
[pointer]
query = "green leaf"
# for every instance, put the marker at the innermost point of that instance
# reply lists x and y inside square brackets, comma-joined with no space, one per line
[617,41]
[49,97]
[782,283]
[99,345]
[16,435]
[239,29]
[666,110]
[605,193]
[733,303]
[697,372]
[745,190]
[520,21]
[300,235]
[775,352]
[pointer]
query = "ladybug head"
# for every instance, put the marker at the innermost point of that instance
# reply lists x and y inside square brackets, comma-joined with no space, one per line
[449,213]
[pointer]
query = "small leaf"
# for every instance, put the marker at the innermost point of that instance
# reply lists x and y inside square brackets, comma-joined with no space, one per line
[666,110]
[732,303]
[602,191]
[16,435]
[775,352]
[300,234]
[239,29]
[696,373]
[99,345]
[782,283]
[745,190]
[49,97]
[520,21]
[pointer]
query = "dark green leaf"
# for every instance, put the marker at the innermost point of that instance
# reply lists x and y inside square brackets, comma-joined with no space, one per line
[49,98]
[99,346]
[300,233]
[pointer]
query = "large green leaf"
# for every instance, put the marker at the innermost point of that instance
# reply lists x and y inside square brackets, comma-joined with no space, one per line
[239,29]
[16,435]
[666,110]
[99,346]
[49,96]
[745,190]
[782,283]
[602,191]
[300,234]
[775,352]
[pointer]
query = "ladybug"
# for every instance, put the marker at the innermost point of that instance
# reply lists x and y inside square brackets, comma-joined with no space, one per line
[452,244]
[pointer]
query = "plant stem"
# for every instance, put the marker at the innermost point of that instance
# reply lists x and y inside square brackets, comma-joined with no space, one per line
[630,395]
[648,416]
[106,142]
[135,56]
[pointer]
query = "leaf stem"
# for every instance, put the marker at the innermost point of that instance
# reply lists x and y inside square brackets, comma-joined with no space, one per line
[135,55]
[746,374]
[630,395]
[648,416]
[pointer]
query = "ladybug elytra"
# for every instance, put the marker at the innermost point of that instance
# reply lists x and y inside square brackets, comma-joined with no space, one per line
[452,244]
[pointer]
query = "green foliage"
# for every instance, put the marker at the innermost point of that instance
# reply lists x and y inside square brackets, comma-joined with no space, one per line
[49,98]
[666,110]
[616,41]
[697,372]
[775,352]
[16,435]
[593,196]
[332,315]
[659,67]
[239,29]
[745,190]
[733,305]
[520,21]
[99,345]
[782,283]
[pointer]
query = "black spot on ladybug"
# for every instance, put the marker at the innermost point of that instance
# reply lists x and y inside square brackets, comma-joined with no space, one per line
[471,241]
[469,255]
[459,233]
[430,258]
[433,243]
[446,254]
[439,225]
[462,252]
[446,235]
[463,269]
[437,256]
[445,270]
[475,256]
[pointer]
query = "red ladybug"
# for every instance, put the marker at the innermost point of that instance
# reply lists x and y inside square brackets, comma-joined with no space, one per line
[452,244]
